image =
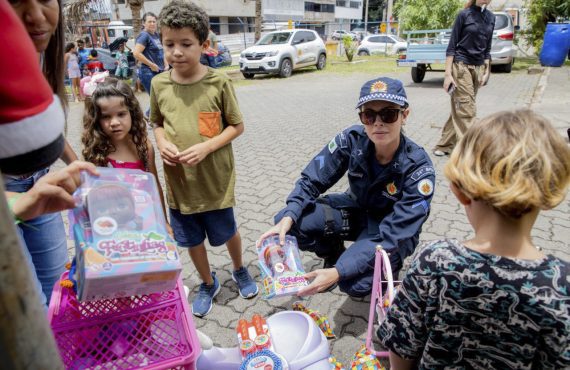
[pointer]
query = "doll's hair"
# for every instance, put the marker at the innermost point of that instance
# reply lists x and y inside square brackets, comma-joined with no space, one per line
[180,14]
[110,194]
[96,144]
[515,161]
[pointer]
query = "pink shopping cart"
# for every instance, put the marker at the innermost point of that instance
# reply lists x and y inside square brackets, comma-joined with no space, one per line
[152,331]
[382,296]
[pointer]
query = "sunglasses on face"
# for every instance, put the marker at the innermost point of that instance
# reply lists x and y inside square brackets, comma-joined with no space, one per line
[387,115]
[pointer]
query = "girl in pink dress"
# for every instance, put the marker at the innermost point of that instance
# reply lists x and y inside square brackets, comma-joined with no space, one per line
[114,131]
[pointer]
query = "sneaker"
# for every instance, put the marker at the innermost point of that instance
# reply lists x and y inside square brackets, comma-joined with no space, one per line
[203,302]
[246,285]
[439,153]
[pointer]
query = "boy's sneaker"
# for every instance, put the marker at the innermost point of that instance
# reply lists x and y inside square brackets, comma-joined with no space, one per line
[203,302]
[246,285]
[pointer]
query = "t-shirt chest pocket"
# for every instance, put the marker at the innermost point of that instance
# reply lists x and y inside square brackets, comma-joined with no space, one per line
[209,123]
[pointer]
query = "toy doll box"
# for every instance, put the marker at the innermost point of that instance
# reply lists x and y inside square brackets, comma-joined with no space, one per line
[281,268]
[121,243]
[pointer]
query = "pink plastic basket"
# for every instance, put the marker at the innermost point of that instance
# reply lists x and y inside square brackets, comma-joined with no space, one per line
[153,331]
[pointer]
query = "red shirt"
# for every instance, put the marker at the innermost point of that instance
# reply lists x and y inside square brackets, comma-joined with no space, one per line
[95,66]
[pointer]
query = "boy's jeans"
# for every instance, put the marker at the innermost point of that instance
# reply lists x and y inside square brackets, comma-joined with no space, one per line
[43,239]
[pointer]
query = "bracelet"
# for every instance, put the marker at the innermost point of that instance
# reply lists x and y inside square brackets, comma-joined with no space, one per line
[11,202]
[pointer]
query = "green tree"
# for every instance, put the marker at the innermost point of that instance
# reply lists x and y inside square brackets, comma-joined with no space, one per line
[540,12]
[350,47]
[425,15]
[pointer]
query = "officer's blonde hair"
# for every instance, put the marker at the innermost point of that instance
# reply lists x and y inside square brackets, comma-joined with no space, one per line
[515,161]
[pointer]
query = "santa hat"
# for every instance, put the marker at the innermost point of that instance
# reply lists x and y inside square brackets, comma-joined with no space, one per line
[31,116]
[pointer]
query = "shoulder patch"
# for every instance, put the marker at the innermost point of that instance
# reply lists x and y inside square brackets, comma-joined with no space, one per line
[343,140]
[425,187]
[332,145]
[422,172]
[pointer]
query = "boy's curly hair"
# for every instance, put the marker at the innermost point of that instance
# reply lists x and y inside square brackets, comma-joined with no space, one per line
[96,144]
[180,14]
[514,161]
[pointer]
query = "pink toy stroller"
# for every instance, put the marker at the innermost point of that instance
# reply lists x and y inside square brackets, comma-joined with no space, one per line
[382,295]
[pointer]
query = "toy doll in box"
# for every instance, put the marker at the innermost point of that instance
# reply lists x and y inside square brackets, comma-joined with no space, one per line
[281,268]
[122,247]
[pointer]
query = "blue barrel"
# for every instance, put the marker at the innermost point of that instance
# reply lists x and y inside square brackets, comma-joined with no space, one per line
[556,44]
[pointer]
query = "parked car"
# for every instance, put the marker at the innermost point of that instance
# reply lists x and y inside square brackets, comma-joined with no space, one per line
[339,34]
[380,44]
[502,47]
[281,52]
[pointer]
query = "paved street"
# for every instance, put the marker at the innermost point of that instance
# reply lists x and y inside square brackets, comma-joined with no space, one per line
[287,121]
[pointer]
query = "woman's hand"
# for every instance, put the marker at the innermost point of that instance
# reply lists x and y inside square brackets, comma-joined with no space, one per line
[447,82]
[154,67]
[322,279]
[168,151]
[281,228]
[485,77]
[53,192]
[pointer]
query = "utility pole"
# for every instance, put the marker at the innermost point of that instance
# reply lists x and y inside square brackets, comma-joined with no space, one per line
[258,16]
[389,15]
[365,17]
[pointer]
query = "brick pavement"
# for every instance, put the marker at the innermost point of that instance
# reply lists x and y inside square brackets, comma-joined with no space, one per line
[287,121]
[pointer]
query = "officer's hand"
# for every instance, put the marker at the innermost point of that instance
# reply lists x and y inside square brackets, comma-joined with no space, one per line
[447,82]
[322,279]
[281,228]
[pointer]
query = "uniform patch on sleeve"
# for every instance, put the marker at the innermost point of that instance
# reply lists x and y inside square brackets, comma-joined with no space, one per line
[333,145]
[422,172]
[425,187]
[343,140]
[422,204]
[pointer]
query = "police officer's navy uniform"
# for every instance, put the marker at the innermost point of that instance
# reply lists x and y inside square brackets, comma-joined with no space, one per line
[384,205]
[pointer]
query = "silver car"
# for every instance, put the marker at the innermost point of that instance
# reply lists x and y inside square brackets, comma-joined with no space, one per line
[502,51]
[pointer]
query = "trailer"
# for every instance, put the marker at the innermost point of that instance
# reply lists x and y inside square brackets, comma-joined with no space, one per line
[425,47]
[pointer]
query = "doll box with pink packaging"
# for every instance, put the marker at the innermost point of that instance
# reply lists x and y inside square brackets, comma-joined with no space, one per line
[121,243]
[281,270]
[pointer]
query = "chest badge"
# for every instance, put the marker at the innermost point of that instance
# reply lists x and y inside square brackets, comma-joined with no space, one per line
[391,188]
[425,187]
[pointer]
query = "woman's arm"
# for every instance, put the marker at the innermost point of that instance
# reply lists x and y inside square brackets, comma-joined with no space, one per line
[399,363]
[138,54]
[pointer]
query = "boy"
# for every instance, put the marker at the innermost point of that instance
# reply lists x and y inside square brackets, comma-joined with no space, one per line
[196,116]
[94,64]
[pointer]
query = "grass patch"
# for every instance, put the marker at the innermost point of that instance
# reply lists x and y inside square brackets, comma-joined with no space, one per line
[522,64]
[363,64]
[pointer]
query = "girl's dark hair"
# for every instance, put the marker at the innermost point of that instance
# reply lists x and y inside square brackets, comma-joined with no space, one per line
[96,144]
[69,46]
[148,14]
[94,53]
[53,67]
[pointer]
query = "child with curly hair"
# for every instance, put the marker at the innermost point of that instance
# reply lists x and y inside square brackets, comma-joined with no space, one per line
[495,301]
[114,131]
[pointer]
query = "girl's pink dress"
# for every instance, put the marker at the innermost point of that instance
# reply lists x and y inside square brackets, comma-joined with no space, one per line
[138,165]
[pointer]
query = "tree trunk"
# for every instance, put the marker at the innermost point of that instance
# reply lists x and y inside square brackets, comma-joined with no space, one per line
[136,6]
[258,19]
[26,340]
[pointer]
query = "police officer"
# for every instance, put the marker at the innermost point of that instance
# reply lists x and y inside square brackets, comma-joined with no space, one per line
[391,182]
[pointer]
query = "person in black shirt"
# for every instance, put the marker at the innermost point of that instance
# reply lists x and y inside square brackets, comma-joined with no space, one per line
[467,67]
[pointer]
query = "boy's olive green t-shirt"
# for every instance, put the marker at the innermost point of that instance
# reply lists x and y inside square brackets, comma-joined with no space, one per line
[192,114]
